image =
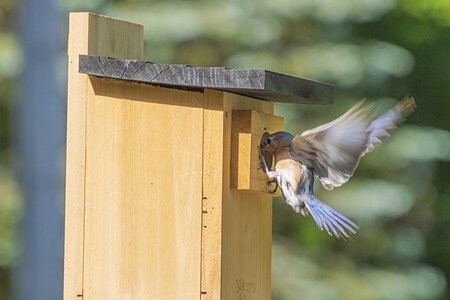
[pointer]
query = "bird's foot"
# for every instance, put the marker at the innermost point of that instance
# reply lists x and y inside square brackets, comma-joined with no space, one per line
[269,183]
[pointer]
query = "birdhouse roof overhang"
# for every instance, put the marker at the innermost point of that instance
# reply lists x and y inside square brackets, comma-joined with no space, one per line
[255,83]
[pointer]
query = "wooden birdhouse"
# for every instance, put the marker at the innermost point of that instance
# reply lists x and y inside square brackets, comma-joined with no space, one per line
[163,196]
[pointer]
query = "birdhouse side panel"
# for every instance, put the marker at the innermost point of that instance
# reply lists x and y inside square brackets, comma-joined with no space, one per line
[143,192]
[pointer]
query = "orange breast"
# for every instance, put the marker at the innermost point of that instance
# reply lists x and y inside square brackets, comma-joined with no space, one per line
[289,169]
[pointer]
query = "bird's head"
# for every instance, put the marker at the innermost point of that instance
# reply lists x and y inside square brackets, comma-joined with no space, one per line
[270,144]
[276,141]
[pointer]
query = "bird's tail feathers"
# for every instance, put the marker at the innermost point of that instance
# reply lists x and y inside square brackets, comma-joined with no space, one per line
[406,106]
[329,219]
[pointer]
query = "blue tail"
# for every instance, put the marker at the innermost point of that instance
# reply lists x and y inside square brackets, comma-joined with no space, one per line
[328,218]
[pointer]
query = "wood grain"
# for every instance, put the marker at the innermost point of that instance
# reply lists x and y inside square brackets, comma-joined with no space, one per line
[96,35]
[247,128]
[237,228]
[150,213]
[143,192]
[256,83]
[213,180]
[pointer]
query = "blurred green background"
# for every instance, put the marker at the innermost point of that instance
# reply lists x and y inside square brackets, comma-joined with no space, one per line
[381,50]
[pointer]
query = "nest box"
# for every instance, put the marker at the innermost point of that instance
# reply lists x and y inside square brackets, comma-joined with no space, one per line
[163,196]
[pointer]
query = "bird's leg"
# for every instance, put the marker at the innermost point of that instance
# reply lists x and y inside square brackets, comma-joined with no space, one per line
[273,178]
[263,163]
[269,183]
[273,174]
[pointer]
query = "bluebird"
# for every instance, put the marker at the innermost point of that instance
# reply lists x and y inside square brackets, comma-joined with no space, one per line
[330,152]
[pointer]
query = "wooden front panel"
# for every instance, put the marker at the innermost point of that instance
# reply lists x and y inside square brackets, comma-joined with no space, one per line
[143,192]
[247,224]
[237,225]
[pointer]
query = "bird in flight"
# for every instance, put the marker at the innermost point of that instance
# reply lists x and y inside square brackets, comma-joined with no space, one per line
[330,152]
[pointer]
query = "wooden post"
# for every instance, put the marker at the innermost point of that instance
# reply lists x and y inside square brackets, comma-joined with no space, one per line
[95,35]
[163,197]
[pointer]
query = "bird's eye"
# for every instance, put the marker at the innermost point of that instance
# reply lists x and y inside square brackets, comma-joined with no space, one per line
[269,141]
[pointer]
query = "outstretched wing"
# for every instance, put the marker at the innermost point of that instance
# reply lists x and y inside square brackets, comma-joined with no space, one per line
[333,150]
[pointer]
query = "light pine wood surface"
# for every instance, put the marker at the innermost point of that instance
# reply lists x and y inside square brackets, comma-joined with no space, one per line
[247,128]
[236,226]
[95,35]
[143,192]
[150,209]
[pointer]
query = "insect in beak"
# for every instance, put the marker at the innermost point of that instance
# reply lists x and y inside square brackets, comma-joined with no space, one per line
[265,162]
[265,156]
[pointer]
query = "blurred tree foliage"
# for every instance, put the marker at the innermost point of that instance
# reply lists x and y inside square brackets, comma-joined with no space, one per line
[10,61]
[382,50]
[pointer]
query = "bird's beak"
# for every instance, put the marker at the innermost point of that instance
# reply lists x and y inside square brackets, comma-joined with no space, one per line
[265,156]
[265,160]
